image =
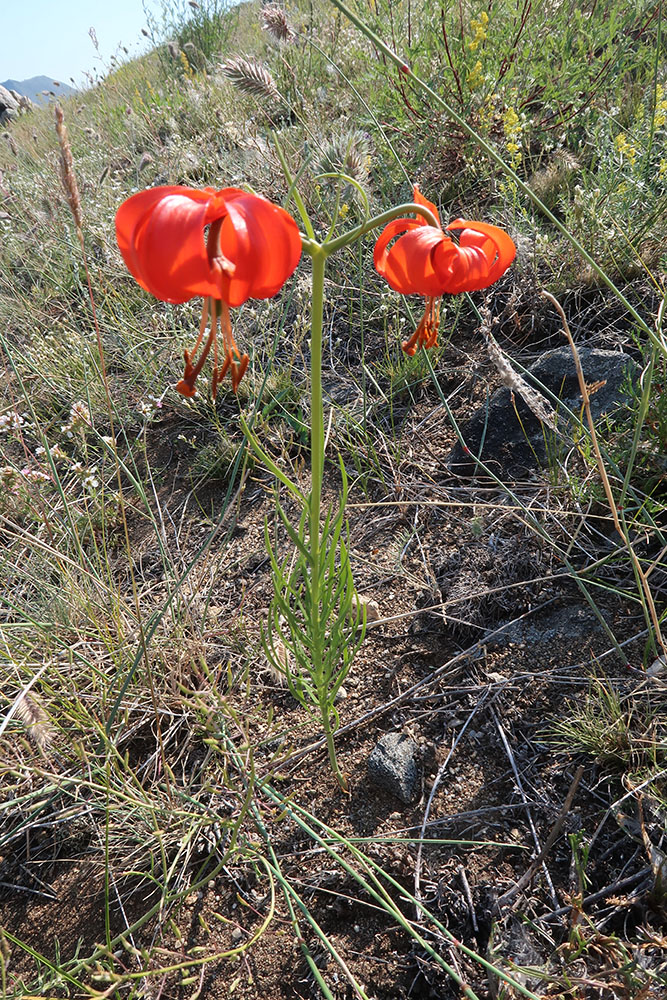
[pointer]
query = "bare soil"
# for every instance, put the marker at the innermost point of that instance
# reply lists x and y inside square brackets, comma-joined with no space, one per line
[450,564]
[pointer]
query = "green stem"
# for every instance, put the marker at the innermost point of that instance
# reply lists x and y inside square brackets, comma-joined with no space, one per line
[325,711]
[319,257]
[494,155]
[312,248]
[658,49]
[319,253]
[408,208]
[316,414]
[293,192]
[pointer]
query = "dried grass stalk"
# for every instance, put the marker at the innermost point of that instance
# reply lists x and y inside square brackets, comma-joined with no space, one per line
[534,400]
[67,174]
[250,76]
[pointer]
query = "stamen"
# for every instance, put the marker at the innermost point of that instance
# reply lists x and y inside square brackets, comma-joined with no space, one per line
[186,386]
[234,361]
[426,334]
[238,371]
[233,358]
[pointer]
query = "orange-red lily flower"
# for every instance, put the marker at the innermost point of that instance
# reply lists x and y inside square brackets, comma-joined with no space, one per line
[226,245]
[425,261]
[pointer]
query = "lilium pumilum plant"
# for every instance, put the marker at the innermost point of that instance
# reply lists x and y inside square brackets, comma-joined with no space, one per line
[227,246]
[426,261]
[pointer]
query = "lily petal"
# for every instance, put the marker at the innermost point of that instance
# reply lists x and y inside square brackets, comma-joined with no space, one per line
[411,261]
[387,264]
[419,198]
[161,236]
[264,244]
[472,234]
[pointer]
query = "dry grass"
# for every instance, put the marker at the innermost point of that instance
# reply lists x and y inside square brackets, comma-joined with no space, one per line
[167,822]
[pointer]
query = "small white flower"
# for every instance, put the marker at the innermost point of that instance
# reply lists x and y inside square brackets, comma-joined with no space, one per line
[11,421]
[79,414]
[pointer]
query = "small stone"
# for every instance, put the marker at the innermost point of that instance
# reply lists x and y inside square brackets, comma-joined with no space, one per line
[237,935]
[359,602]
[392,766]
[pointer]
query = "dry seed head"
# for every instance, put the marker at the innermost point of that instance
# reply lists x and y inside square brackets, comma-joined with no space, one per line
[534,400]
[173,50]
[145,161]
[30,712]
[347,153]
[250,76]
[67,174]
[279,651]
[195,56]
[275,23]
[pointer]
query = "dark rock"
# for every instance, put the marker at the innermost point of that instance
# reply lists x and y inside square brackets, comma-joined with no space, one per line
[392,766]
[510,439]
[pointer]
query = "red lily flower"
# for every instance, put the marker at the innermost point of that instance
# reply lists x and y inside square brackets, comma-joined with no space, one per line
[425,261]
[251,249]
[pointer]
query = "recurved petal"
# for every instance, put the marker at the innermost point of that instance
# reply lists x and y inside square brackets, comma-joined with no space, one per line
[466,269]
[160,234]
[489,242]
[406,264]
[418,252]
[419,198]
[414,257]
[380,250]
[263,242]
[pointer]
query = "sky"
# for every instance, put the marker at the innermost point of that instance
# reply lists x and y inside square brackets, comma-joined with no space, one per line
[51,37]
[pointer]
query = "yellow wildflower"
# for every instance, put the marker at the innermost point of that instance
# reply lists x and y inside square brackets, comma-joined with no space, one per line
[475,77]
[478,26]
[625,148]
[660,113]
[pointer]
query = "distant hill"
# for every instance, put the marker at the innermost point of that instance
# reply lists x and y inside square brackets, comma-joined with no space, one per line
[34,88]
